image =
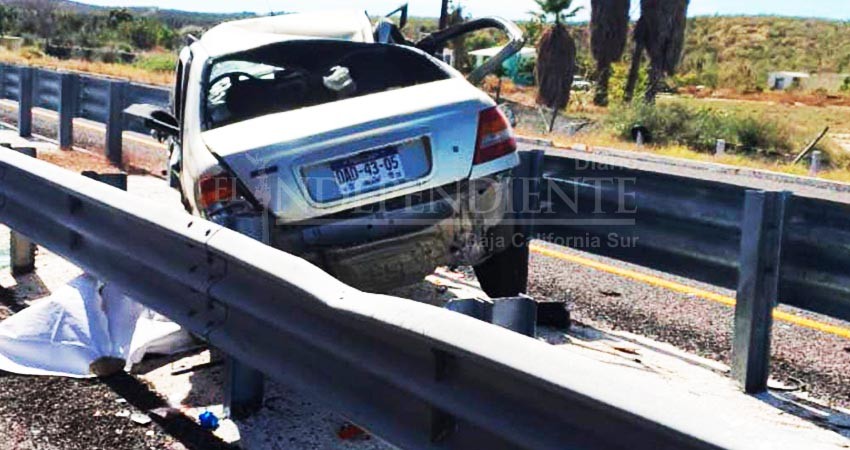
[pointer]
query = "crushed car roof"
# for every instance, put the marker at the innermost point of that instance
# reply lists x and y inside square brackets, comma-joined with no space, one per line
[240,35]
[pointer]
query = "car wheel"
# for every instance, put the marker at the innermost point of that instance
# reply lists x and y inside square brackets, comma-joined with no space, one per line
[505,274]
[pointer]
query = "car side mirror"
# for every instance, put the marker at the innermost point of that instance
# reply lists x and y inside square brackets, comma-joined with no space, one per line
[156,118]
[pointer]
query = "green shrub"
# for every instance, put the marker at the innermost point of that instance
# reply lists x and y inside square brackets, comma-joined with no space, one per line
[619,79]
[698,128]
[157,62]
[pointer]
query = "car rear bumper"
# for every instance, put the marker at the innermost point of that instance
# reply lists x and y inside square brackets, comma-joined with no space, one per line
[398,243]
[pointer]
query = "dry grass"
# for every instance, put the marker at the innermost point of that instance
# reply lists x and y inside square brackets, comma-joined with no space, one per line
[801,112]
[791,97]
[34,58]
[603,139]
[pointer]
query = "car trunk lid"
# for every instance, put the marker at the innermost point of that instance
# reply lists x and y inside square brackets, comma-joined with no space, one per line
[320,160]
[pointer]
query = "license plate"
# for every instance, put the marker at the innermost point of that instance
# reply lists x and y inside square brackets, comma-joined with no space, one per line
[369,171]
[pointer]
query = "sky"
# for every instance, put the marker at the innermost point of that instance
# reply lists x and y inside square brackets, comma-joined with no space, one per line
[514,9]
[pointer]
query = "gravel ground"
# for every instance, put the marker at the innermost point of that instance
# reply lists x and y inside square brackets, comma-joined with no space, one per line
[820,360]
[60,413]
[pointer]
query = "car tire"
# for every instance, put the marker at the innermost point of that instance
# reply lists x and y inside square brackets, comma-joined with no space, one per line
[505,274]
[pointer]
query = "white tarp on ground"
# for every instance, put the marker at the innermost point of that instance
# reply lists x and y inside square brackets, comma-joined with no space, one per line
[83,322]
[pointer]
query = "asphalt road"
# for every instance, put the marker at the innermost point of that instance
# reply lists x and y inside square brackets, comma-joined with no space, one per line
[816,360]
[819,361]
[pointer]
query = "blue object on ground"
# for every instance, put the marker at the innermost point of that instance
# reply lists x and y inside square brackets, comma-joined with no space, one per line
[208,420]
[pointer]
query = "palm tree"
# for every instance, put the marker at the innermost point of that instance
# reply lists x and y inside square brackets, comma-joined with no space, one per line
[609,29]
[556,58]
[665,39]
[444,15]
[461,55]
[661,32]
[639,38]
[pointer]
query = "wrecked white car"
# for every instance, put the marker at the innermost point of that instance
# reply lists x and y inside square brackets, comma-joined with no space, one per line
[337,140]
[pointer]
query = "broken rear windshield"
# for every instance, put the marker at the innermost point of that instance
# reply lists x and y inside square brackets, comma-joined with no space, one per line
[288,76]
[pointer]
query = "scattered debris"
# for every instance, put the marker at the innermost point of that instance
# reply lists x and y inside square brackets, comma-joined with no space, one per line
[197,368]
[141,419]
[123,413]
[793,385]
[610,293]
[208,420]
[625,348]
[350,432]
[165,413]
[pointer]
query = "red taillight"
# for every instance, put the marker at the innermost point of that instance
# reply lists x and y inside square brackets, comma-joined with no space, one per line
[216,189]
[495,137]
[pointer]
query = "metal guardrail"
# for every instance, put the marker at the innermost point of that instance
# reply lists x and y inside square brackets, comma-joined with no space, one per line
[682,226]
[75,95]
[694,228]
[413,374]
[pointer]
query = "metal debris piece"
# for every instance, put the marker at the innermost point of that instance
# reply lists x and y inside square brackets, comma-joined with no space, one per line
[610,293]
[349,432]
[141,419]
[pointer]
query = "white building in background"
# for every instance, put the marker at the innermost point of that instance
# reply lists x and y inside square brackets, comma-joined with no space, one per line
[785,80]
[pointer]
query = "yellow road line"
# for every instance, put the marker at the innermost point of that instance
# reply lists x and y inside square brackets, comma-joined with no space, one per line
[681,288]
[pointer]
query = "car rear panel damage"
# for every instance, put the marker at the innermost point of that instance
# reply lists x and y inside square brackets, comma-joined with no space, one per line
[344,144]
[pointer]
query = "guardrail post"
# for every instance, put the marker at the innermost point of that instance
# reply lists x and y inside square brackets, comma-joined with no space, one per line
[4,69]
[25,86]
[720,147]
[21,249]
[758,287]
[67,109]
[244,386]
[115,121]
[518,314]
[814,169]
